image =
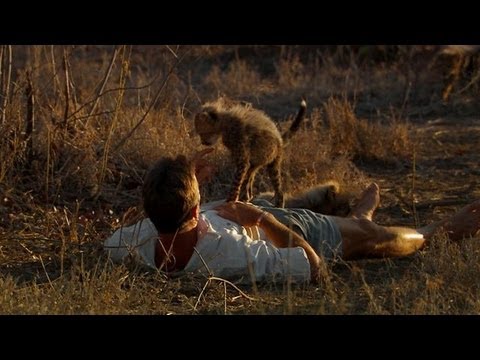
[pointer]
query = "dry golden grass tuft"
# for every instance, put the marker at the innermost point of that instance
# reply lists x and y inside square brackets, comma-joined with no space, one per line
[361,139]
[239,80]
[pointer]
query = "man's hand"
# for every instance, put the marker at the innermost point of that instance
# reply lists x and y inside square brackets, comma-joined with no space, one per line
[203,169]
[241,213]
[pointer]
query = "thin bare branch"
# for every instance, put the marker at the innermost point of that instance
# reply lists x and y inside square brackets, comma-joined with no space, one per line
[201,294]
[113,90]
[71,83]
[152,104]
[232,285]
[210,273]
[212,277]
[125,61]
[66,89]
[104,83]
[225,298]
[173,52]
[8,78]
[48,277]
[30,120]
[56,82]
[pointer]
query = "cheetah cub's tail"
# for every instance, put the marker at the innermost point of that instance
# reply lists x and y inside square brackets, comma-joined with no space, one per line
[296,123]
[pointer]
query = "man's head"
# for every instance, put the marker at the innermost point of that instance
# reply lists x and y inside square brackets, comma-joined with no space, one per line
[170,194]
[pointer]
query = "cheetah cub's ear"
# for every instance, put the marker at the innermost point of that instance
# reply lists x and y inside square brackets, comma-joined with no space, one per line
[203,116]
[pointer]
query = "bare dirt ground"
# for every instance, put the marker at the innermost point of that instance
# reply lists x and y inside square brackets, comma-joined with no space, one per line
[443,176]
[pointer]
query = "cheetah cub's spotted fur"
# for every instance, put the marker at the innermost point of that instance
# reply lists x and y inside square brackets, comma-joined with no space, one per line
[253,139]
[327,199]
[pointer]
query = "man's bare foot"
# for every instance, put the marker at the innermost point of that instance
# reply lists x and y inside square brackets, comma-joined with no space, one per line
[465,223]
[368,203]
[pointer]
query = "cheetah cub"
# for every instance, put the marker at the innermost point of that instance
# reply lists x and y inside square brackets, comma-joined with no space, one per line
[253,139]
[327,199]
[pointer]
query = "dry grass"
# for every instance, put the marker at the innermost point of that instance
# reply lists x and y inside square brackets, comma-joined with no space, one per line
[104,114]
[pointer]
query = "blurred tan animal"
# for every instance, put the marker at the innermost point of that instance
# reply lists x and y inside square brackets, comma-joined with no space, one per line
[327,199]
[253,139]
[465,63]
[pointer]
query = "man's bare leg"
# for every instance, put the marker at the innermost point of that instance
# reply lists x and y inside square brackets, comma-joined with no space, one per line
[465,223]
[362,238]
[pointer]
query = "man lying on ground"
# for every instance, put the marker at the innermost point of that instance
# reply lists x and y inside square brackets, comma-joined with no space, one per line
[248,242]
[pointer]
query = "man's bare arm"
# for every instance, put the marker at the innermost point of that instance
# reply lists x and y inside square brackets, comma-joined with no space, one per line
[280,235]
[203,169]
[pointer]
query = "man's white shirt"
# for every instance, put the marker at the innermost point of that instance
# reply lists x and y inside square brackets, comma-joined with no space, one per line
[224,249]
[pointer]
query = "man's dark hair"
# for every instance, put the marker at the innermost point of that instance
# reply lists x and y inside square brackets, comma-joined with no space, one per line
[170,192]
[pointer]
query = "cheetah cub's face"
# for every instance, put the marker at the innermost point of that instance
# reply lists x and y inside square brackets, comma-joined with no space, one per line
[208,127]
